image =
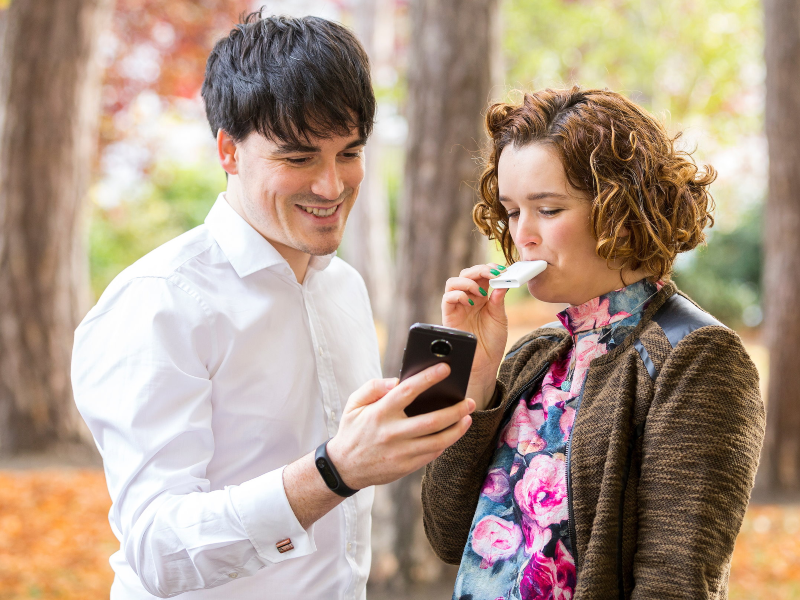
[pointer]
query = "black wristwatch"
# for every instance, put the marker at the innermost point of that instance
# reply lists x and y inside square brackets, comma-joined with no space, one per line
[329,473]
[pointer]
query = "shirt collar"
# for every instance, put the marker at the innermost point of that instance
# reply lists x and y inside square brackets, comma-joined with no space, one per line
[609,308]
[246,249]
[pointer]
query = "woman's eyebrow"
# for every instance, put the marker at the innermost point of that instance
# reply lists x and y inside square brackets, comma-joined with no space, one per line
[543,195]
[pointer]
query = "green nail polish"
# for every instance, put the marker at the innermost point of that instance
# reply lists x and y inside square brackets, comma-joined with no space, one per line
[494,272]
[471,303]
[482,291]
[502,268]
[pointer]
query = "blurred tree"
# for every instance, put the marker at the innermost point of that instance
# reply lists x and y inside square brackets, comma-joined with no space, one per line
[48,131]
[160,46]
[780,472]
[449,77]
[178,198]
[690,58]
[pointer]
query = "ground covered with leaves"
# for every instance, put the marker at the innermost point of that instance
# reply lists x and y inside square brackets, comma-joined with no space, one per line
[55,541]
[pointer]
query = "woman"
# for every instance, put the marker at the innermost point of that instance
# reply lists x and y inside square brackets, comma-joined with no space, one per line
[614,453]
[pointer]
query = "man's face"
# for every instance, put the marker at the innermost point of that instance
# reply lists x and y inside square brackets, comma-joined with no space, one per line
[297,197]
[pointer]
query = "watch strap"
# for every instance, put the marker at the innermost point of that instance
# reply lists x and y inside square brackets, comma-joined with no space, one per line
[329,473]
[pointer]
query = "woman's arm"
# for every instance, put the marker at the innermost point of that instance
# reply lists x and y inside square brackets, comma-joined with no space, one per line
[452,482]
[700,452]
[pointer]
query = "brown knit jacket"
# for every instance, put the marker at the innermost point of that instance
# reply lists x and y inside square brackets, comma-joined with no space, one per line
[661,461]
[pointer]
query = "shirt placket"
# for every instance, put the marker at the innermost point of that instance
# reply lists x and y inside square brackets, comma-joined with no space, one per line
[332,405]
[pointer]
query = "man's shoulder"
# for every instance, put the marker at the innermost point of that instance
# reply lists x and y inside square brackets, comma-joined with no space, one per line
[165,262]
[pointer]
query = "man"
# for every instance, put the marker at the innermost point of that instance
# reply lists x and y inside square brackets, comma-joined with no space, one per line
[214,369]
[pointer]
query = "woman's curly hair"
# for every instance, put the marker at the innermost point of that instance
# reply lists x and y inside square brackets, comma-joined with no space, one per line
[622,157]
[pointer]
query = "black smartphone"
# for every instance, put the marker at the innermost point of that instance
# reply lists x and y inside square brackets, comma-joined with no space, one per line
[428,345]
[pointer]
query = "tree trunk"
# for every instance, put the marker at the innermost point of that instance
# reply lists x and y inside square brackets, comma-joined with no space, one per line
[449,80]
[367,239]
[780,472]
[49,104]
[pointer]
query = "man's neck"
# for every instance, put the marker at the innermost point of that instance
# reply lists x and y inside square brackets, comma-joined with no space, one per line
[298,260]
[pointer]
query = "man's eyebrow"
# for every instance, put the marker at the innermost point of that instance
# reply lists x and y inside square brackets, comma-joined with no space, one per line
[290,147]
[356,143]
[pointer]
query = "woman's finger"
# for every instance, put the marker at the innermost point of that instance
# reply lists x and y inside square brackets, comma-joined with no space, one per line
[466,285]
[457,298]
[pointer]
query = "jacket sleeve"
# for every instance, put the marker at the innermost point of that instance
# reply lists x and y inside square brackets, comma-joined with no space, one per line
[452,483]
[700,450]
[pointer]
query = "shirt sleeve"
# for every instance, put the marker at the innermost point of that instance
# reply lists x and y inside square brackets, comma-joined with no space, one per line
[141,380]
[700,451]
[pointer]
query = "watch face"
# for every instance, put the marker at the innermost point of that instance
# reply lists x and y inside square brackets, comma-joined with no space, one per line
[327,474]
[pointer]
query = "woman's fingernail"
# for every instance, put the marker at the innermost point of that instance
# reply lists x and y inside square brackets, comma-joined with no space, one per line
[482,291]
[494,271]
[471,303]
[502,268]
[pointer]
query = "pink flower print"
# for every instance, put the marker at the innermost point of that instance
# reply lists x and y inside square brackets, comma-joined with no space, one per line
[549,579]
[592,314]
[542,491]
[495,539]
[536,537]
[521,434]
[566,421]
[496,485]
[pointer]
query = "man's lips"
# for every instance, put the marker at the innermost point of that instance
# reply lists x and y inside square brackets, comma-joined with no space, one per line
[320,211]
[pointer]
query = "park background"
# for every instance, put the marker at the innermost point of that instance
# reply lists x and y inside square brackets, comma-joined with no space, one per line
[105,154]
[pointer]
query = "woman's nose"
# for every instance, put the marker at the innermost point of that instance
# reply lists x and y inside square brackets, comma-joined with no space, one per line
[526,232]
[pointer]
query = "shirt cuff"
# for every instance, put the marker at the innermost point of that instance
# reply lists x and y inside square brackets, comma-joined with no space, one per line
[268,518]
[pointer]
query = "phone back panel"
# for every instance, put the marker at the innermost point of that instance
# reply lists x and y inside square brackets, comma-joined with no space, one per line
[419,355]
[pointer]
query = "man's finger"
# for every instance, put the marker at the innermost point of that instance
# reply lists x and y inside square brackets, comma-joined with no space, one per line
[436,421]
[439,442]
[370,392]
[407,391]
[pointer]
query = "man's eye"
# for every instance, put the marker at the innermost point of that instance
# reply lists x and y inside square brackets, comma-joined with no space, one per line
[297,161]
[352,155]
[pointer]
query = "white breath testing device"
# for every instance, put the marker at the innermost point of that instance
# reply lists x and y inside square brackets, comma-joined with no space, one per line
[518,274]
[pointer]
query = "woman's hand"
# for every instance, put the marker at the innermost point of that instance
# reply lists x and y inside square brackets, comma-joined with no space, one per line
[469,305]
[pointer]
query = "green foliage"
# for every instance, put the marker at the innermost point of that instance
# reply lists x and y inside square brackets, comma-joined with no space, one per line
[691,58]
[178,199]
[724,277]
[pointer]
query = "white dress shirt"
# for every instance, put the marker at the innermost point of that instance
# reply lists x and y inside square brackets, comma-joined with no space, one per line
[202,371]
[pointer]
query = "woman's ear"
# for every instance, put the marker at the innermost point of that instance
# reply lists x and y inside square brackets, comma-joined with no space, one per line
[226,151]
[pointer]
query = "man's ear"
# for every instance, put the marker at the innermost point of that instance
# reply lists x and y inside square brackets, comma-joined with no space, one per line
[226,151]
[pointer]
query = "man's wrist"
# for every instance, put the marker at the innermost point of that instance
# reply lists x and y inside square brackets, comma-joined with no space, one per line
[327,467]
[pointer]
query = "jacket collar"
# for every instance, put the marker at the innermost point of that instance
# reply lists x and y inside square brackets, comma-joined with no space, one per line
[246,249]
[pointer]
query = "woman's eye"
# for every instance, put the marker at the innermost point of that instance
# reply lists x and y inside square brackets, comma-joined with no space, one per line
[549,212]
[513,214]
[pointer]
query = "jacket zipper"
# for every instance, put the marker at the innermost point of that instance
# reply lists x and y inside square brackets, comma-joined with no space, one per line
[573,538]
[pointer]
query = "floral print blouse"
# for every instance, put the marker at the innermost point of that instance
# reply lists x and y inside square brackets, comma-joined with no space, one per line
[519,546]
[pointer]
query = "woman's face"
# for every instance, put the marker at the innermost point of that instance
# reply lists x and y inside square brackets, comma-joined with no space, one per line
[550,220]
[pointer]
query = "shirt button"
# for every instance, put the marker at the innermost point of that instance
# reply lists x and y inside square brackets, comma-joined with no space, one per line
[233,575]
[333,415]
[321,352]
[349,546]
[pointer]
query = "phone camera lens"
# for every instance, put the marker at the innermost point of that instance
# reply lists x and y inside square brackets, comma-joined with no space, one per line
[441,347]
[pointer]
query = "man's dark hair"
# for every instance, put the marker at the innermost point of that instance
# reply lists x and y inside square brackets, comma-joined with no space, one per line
[288,79]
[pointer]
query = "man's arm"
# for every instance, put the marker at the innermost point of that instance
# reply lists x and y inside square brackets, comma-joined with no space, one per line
[377,443]
[142,383]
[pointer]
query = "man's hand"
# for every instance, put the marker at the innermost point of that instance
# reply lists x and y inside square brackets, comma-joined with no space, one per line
[377,443]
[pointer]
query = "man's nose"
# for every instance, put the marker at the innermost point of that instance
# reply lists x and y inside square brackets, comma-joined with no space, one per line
[328,183]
